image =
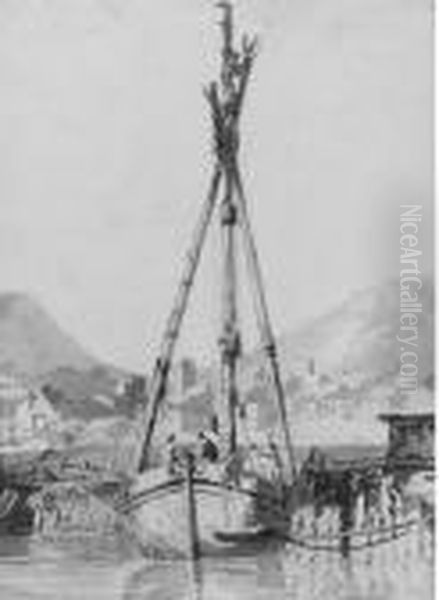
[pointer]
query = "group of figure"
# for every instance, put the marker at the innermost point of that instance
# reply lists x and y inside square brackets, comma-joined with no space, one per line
[245,464]
[204,452]
[346,499]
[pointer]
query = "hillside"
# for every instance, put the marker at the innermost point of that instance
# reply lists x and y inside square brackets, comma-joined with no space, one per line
[342,369]
[353,351]
[31,342]
[360,335]
[34,347]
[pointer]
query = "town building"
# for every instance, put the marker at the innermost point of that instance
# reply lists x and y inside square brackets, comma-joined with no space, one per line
[411,427]
[192,411]
[25,413]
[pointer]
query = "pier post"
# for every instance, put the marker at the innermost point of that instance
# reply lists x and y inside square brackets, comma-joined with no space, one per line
[347,511]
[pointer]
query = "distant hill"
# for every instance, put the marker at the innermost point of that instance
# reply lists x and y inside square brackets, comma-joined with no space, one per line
[352,348]
[31,342]
[360,335]
[341,369]
[93,393]
[34,347]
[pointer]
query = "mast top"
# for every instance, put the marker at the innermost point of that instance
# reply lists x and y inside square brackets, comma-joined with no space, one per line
[226,94]
[227,25]
[235,61]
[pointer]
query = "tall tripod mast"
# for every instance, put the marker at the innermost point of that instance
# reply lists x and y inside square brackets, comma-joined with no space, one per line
[226,99]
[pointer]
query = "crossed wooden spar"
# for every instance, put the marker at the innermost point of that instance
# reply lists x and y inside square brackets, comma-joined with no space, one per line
[225,98]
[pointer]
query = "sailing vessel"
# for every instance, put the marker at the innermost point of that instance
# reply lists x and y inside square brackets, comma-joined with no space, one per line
[190,511]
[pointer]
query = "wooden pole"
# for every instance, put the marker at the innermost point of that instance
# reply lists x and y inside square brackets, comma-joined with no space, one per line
[194,539]
[230,339]
[226,135]
[263,317]
[347,512]
[175,319]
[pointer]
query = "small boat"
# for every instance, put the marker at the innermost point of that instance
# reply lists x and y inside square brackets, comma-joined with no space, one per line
[17,484]
[193,511]
[16,515]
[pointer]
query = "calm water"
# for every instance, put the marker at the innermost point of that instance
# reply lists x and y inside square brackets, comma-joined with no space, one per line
[91,569]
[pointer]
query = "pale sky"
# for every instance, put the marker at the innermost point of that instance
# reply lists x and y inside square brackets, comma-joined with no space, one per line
[105,154]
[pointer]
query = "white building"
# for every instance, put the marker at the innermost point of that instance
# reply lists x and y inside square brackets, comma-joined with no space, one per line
[25,414]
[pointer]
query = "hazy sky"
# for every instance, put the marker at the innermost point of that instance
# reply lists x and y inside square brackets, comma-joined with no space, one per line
[105,154]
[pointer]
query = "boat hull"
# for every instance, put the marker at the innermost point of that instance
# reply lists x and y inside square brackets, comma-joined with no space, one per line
[158,517]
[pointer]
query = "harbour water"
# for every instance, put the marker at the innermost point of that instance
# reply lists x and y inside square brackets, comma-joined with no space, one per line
[109,568]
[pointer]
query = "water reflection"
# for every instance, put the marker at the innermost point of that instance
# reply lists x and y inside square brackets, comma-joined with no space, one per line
[213,579]
[15,547]
[398,571]
[94,569]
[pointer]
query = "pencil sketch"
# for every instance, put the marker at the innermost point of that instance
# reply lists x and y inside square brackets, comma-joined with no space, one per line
[231,206]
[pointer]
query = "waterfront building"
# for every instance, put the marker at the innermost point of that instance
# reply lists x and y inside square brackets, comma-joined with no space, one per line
[25,413]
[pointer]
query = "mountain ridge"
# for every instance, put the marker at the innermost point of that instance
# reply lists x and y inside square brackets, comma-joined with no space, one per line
[32,342]
[361,333]
[356,339]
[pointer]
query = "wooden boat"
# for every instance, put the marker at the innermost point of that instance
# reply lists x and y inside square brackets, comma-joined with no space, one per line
[191,514]
[160,509]
[17,483]
[195,512]
[16,516]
